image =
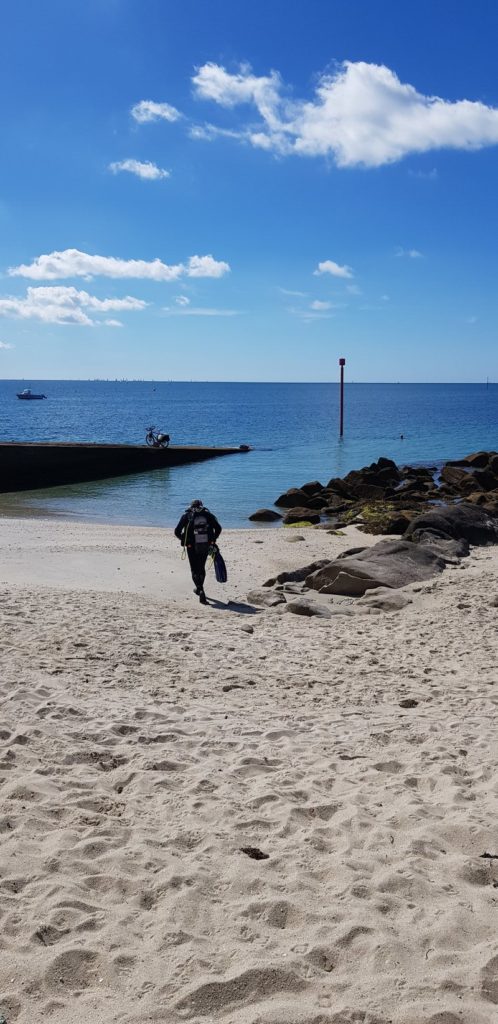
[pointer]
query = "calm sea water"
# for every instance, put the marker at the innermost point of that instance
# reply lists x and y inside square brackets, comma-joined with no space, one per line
[293,429]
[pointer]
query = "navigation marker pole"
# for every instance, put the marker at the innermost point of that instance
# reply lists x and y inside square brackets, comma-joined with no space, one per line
[342,363]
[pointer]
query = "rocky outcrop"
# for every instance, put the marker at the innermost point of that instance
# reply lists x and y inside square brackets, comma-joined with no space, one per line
[389,563]
[384,498]
[466,522]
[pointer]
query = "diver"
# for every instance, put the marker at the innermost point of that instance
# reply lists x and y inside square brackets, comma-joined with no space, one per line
[197,530]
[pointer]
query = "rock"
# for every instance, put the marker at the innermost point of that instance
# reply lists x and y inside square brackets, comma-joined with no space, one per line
[485,479]
[494,602]
[291,538]
[265,598]
[297,575]
[246,628]
[334,504]
[293,498]
[385,599]
[417,473]
[309,608]
[348,585]
[459,480]
[408,702]
[391,563]
[366,491]
[470,522]
[301,515]
[477,460]
[265,515]
[337,486]
[449,549]
[387,522]
[313,487]
[291,588]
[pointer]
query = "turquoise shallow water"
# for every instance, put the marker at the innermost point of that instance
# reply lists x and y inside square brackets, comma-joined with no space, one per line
[293,429]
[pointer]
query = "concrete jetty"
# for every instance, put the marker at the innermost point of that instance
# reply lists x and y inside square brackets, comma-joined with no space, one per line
[28,465]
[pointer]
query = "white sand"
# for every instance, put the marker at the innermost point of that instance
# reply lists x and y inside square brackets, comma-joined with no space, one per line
[145,740]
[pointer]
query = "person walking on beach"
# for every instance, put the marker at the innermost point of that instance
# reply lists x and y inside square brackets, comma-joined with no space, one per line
[197,530]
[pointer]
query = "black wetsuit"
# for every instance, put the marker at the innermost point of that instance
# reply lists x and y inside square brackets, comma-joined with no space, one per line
[197,552]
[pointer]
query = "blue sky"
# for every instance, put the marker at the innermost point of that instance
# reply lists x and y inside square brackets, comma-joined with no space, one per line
[247,191]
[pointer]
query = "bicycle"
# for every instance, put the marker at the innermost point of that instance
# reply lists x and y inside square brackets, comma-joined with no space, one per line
[155,439]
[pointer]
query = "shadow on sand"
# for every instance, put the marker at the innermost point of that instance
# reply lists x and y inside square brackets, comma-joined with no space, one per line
[233,606]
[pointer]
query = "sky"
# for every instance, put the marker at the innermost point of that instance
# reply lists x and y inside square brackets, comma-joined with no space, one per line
[234,190]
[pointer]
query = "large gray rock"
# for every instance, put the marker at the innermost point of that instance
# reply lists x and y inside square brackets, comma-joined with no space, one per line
[464,521]
[390,563]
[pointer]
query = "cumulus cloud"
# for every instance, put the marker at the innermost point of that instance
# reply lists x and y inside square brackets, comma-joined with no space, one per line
[142,169]
[360,115]
[73,263]
[318,305]
[60,305]
[330,267]
[148,110]
[5,344]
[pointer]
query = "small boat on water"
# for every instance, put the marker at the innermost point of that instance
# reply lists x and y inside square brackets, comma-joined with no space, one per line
[28,395]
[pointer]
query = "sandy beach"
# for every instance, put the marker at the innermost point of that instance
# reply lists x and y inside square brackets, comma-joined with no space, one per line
[147,742]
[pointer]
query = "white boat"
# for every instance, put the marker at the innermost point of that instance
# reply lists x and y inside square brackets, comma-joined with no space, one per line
[28,395]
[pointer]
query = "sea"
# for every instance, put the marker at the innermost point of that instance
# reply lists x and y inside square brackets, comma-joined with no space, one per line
[293,431]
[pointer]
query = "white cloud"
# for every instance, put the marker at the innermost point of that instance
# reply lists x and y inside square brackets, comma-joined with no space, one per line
[182,300]
[148,110]
[146,170]
[209,132]
[289,291]
[73,263]
[360,115]
[353,289]
[206,266]
[113,323]
[411,254]
[59,305]
[5,344]
[199,311]
[320,306]
[330,267]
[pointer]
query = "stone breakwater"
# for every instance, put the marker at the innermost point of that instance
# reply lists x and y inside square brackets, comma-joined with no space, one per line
[384,498]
